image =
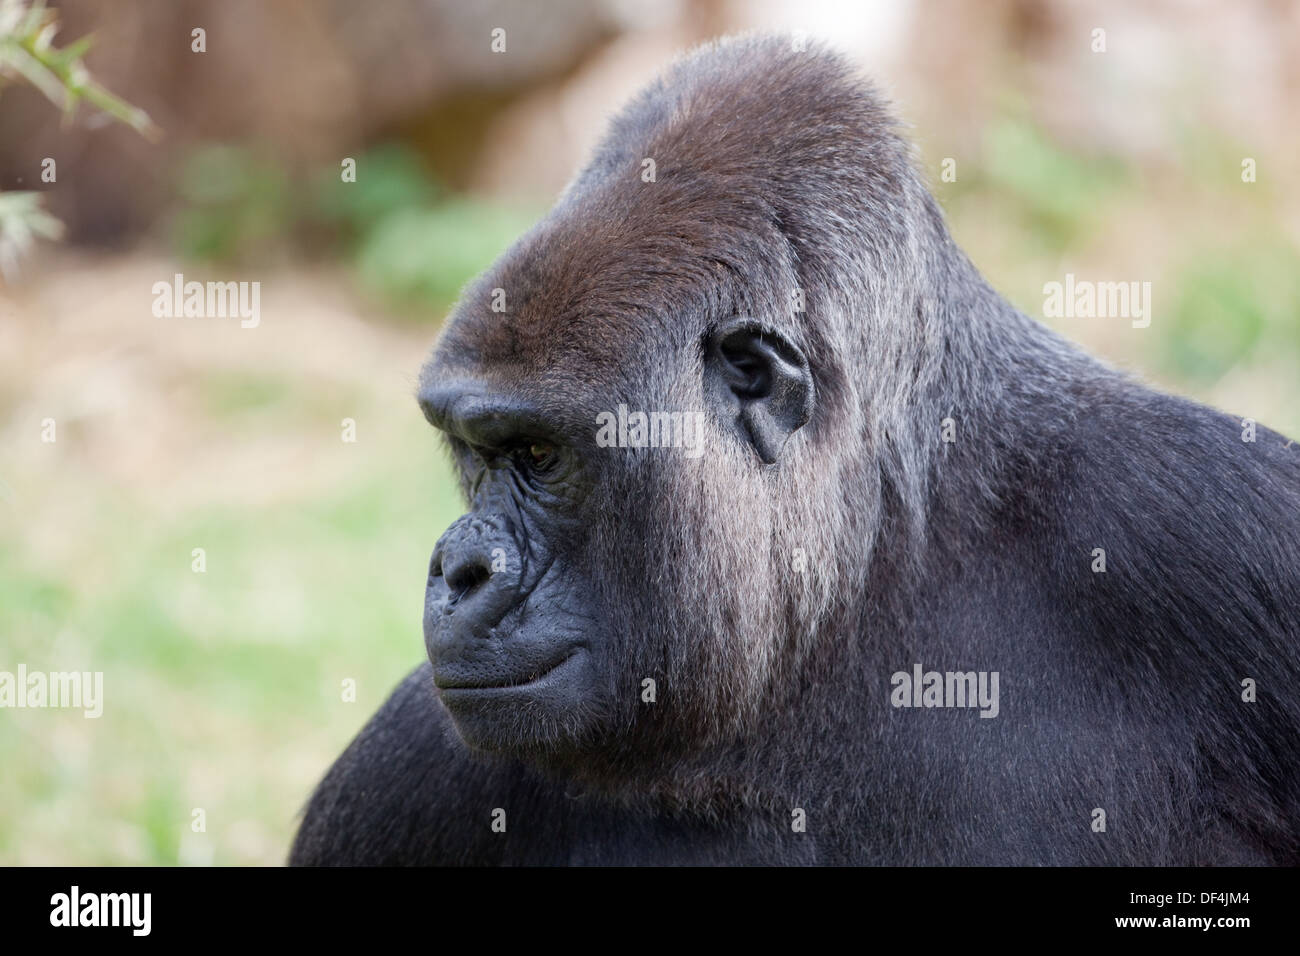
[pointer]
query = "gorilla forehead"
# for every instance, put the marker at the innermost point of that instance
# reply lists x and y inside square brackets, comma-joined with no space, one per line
[616,276]
[765,157]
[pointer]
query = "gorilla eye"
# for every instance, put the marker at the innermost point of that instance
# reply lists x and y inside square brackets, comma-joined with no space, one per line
[539,455]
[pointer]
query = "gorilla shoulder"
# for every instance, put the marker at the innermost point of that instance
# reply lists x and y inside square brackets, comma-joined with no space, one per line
[407,791]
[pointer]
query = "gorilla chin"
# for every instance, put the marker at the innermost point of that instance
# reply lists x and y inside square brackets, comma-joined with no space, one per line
[520,685]
[519,715]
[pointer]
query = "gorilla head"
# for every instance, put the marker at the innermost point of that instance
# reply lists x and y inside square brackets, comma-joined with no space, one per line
[722,268]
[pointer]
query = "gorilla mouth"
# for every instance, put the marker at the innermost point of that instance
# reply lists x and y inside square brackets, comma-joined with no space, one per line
[445,681]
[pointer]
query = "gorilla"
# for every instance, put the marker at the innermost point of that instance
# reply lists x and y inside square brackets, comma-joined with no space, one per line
[791,542]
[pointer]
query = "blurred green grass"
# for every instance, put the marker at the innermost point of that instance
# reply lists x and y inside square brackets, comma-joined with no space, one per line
[223,689]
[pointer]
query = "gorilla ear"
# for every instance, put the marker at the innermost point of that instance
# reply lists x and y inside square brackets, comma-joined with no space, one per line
[765,377]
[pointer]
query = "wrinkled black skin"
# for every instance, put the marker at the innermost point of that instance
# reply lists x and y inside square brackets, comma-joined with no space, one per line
[508,626]
[1120,690]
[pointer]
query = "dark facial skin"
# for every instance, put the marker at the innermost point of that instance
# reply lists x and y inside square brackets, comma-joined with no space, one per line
[517,635]
[505,632]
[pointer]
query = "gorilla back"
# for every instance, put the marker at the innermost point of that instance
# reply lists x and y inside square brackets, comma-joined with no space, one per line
[790,541]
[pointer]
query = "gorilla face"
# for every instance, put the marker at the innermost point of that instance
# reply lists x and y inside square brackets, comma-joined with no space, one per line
[539,638]
[513,638]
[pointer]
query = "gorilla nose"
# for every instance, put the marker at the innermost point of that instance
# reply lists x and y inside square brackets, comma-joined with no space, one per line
[474,579]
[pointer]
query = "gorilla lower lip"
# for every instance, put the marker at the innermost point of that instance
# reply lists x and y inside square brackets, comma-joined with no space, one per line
[447,684]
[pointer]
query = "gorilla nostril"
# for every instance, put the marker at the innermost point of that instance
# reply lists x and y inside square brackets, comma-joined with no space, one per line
[465,579]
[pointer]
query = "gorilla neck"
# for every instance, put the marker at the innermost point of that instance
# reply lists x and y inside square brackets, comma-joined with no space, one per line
[990,395]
